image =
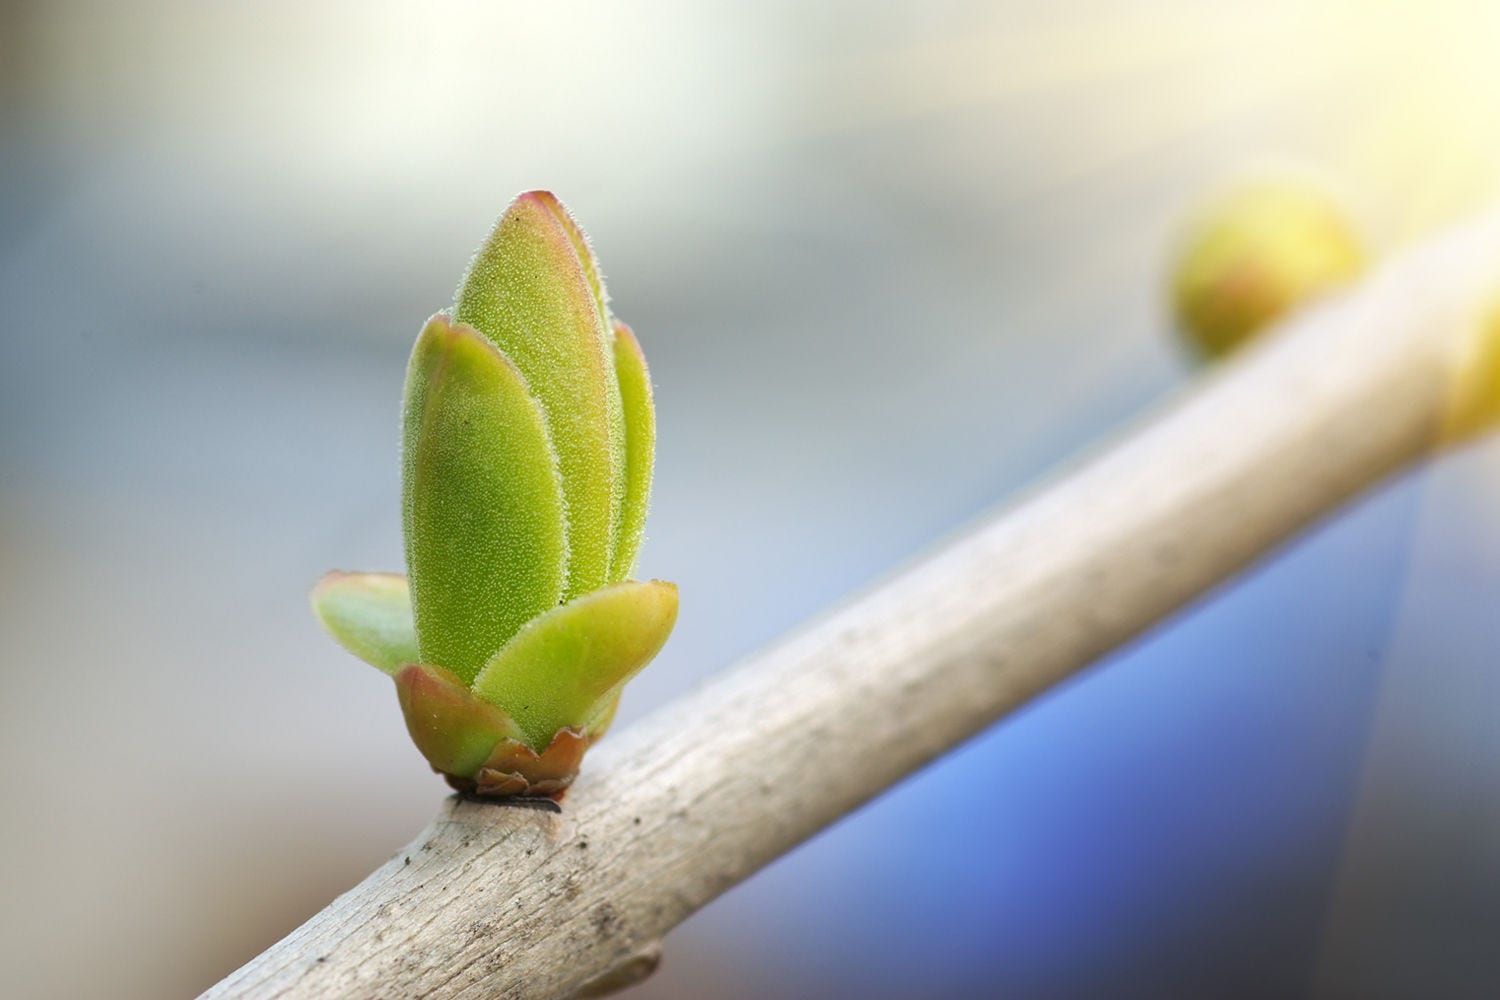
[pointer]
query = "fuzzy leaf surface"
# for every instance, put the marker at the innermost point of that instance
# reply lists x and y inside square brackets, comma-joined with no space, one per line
[482,505]
[640,449]
[563,668]
[369,614]
[529,291]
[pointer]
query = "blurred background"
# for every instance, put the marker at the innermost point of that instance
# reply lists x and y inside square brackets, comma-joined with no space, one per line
[890,262]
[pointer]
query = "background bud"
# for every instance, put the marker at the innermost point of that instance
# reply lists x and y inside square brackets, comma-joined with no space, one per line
[1254,255]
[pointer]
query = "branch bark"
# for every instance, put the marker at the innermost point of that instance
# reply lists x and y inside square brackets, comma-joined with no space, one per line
[512,901]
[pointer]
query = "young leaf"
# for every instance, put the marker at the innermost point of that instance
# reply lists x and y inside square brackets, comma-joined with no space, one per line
[455,731]
[581,247]
[531,293]
[603,716]
[481,503]
[640,448]
[562,668]
[370,616]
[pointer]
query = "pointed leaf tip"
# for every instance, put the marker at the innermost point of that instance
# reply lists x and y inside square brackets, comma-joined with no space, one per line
[563,668]
[482,505]
[581,246]
[533,290]
[369,614]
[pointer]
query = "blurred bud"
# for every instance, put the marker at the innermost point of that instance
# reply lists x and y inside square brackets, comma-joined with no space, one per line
[529,435]
[1256,254]
[1474,405]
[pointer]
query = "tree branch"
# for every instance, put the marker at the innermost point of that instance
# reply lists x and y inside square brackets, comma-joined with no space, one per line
[512,901]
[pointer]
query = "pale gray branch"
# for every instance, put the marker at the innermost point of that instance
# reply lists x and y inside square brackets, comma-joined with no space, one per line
[508,901]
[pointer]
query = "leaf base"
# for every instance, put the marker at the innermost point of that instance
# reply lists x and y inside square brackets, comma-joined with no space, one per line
[514,770]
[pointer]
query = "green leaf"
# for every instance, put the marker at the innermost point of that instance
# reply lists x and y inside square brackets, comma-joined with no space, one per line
[370,616]
[603,716]
[481,502]
[640,449]
[581,247]
[563,668]
[455,731]
[533,290]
